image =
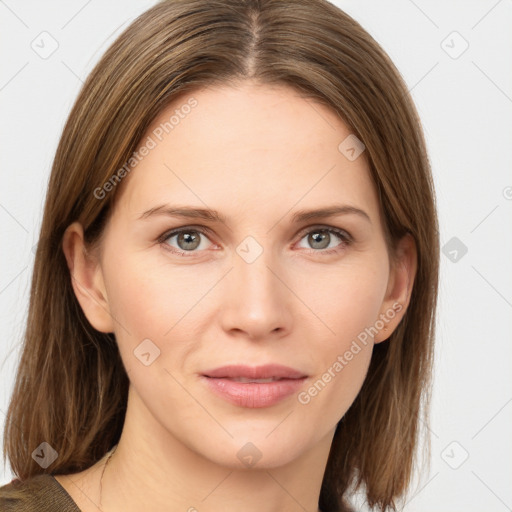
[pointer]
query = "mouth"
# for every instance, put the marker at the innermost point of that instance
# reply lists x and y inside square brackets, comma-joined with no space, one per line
[268,371]
[246,380]
[254,387]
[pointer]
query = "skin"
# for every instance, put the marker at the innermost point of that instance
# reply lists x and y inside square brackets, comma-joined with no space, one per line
[256,154]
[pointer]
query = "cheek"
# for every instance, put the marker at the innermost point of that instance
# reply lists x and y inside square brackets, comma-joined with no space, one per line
[348,302]
[151,300]
[345,300]
[160,304]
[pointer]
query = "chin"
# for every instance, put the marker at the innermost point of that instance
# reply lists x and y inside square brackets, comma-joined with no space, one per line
[252,449]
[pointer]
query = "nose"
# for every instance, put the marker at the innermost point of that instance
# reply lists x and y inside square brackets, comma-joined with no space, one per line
[257,303]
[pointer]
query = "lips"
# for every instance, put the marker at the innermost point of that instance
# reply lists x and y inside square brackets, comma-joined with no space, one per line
[269,371]
[257,381]
[254,387]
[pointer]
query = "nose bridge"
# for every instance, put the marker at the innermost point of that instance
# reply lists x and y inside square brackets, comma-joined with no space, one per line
[256,302]
[252,271]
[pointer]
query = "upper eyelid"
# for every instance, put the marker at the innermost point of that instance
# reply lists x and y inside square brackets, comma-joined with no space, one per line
[321,227]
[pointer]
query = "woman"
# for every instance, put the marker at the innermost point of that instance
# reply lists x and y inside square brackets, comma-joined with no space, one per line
[235,286]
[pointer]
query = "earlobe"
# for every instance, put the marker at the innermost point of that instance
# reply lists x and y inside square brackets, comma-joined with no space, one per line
[398,294]
[87,279]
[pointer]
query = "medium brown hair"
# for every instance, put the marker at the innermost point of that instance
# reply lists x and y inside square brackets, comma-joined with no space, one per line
[71,386]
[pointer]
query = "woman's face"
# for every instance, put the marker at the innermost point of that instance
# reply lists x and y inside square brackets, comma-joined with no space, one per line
[266,285]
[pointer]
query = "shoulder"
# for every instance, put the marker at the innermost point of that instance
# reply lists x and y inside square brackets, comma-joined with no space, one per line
[40,493]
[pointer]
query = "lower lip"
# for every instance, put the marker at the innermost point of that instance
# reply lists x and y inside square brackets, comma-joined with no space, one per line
[253,394]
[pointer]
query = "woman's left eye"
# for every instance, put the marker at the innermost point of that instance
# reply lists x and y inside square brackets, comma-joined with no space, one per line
[320,239]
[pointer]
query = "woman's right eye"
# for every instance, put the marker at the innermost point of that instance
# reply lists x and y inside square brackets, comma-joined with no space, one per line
[184,241]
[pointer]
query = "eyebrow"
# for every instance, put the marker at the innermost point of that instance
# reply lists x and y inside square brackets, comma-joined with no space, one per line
[214,216]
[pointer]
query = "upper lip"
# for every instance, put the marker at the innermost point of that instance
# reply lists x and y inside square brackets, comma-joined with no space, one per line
[255,372]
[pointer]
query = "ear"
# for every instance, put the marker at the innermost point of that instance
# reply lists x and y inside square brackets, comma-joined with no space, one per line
[87,279]
[400,283]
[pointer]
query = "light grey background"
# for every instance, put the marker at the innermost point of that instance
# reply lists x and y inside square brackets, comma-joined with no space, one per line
[465,101]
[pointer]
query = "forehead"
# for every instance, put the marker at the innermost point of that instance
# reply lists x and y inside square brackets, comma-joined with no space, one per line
[245,148]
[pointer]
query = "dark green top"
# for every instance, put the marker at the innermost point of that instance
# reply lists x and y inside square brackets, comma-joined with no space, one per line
[41,493]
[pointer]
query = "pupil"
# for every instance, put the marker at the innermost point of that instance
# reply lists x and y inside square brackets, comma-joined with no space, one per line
[187,241]
[320,237]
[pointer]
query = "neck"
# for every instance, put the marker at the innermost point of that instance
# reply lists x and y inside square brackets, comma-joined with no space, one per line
[151,469]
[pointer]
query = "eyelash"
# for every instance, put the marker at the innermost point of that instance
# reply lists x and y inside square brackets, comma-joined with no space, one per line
[345,237]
